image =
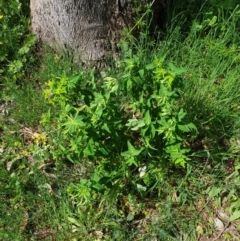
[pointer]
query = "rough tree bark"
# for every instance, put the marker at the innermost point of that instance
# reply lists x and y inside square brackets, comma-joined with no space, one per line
[89,28]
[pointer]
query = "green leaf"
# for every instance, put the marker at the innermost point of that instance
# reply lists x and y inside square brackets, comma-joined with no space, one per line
[84,182]
[132,150]
[153,131]
[130,147]
[214,191]
[236,204]
[129,84]
[137,80]
[141,73]
[125,154]
[72,81]
[95,177]
[135,124]
[131,153]
[147,180]
[187,127]
[103,150]
[130,217]
[191,126]
[124,46]
[30,41]
[131,161]
[105,127]
[147,144]
[98,187]
[144,131]
[23,50]
[235,215]
[74,221]
[176,70]
[70,158]
[89,150]
[73,124]
[181,114]
[147,118]
[150,66]
[183,128]
[180,161]
[212,21]
[107,180]
[141,188]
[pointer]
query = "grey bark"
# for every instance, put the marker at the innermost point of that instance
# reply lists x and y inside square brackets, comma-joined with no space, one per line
[85,27]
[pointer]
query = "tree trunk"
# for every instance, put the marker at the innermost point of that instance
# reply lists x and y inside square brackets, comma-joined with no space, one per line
[88,28]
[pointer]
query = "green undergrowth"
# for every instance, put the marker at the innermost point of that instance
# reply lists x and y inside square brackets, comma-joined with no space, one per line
[145,149]
[210,54]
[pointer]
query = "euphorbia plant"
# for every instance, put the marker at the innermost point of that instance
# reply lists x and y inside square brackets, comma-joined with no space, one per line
[123,122]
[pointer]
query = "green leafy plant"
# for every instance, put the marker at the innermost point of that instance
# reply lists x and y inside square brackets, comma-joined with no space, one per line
[123,122]
[16,43]
[227,193]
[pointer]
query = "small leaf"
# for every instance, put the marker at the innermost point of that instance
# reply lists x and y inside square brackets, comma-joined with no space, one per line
[147,118]
[153,131]
[141,188]
[74,221]
[176,70]
[105,127]
[98,187]
[89,150]
[141,72]
[183,128]
[181,114]
[214,191]
[73,124]
[23,50]
[131,161]
[191,126]
[130,217]
[235,215]
[187,127]
[124,46]
[212,21]
[95,177]
[132,150]
[130,147]
[70,158]
[150,66]
[199,230]
[129,84]
[31,39]
[125,154]
[236,204]
[73,80]
[137,80]
[103,151]
[135,124]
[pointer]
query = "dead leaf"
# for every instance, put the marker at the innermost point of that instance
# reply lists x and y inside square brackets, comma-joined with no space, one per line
[98,234]
[218,224]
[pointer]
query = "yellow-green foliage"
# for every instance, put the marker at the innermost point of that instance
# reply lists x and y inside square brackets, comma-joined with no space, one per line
[15,39]
[122,122]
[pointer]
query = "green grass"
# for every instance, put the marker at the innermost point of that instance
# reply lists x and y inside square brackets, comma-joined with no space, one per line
[35,203]
[211,57]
